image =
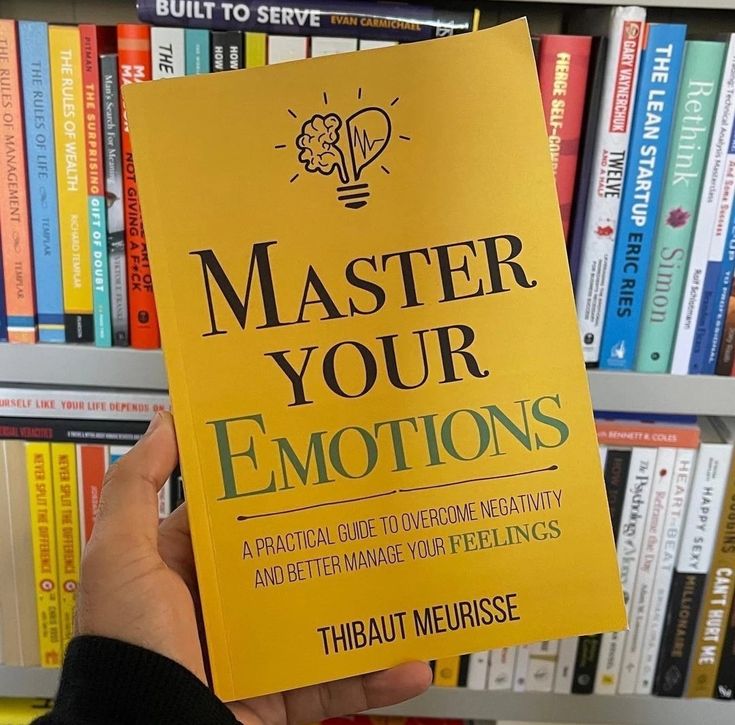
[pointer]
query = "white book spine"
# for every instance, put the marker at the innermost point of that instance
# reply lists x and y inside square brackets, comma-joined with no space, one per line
[331,46]
[372,44]
[542,659]
[168,56]
[520,674]
[680,488]
[565,665]
[609,160]
[630,538]
[283,48]
[76,404]
[647,566]
[477,670]
[706,217]
[502,667]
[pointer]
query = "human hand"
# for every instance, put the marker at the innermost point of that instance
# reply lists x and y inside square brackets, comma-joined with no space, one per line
[138,585]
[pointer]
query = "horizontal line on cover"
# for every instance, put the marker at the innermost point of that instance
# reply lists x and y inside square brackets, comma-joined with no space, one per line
[352,187]
[362,195]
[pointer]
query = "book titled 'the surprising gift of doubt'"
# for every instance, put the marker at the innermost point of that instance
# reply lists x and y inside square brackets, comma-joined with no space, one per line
[382,410]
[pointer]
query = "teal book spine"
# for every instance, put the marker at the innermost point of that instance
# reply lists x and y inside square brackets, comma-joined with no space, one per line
[693,119]
[196,43]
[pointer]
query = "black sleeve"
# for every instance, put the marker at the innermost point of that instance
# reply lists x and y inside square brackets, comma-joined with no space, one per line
[108,682]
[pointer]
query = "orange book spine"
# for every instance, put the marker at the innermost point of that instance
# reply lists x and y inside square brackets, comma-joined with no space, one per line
[134,57]
[14,221]
[632,433]
[92,466]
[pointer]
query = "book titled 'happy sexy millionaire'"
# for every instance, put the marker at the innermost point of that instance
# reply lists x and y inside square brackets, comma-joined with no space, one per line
[380,399]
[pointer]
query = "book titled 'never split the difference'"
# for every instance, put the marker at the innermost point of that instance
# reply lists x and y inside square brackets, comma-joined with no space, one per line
[380,399]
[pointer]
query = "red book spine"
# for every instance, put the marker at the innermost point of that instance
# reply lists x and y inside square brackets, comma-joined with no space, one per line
[134,57]
[564,62]
[92,465]
[14,222]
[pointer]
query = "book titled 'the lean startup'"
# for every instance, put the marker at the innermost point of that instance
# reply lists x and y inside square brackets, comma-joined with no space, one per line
[380,399]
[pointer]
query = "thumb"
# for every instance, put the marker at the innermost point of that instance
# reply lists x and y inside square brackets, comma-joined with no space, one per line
[129,500]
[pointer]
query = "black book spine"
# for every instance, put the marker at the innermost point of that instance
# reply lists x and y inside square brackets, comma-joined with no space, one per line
[228,51]
[104,432]
[464,667]
[78,327]
[617,465]
[725,682]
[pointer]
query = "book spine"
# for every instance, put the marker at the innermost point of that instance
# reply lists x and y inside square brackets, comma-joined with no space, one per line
[446,672]
[464,666]
[629,545]
[681,485]
[542,660]
[196,43]
[256,50]
[90,404]
[36,71]
[649,143]
[227,50]
[20,306]
[478,670]
[565,665]
[68,547]
[373,44]
[134,63]
[71,174]
[616,432]
[381,21]
[520,673]
[653,531]
[725,355]
[717,600]
[168,53]
[584,176]
[43,540]
[681,191]
[563,69]
[10,613]
[91,464]
[73,431]
[617,470]
[693,286]
[502,666]
[725,680]
[693,562]
[321,46]
[97,217]
[609,162]
[283,48]
[3,311]
[115,219]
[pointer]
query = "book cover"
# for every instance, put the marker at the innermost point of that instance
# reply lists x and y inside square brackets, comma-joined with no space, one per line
[256,50]
[71,176]
[92,461]
[196,45]
[41,158]
[355,322]
[693,562]
[21,552]
[45,564]
[672,527]
[22,711]
[381,21]
[283,48]
[20,304]
[134,66]
[94,41]
[706,212]
[115,215]
[321,45]
[693,118]
[563,68]
[649,145]
[608,171]
[227,50]
[68,546]
[725,355]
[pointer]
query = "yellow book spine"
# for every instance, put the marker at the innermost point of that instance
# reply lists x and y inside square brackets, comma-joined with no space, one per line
[446,672]
[40,494]
[66,505]
[255,49]
[71,174]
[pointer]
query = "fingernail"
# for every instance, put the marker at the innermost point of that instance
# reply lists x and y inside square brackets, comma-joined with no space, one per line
[155,422]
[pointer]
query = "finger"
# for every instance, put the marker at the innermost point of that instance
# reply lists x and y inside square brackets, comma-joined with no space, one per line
[129,500]
[174,545]
[355,694]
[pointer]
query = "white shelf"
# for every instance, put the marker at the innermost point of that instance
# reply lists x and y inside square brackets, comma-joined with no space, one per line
[88,366]
[28,681]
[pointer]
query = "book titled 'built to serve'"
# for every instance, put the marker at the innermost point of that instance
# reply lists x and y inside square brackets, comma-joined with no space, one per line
[380,399]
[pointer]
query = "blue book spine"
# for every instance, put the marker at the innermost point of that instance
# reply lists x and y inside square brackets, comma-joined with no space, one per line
[649,144]
[196,43]
[36,81]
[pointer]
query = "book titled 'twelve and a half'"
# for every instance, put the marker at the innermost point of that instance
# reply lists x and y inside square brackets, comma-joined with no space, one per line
[380,399]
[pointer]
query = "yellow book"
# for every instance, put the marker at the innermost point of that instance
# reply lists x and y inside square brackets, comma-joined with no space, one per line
[43,538]
[66,510]
[446,672]
[382,409]
[255,49]
[22,711]
[71,175]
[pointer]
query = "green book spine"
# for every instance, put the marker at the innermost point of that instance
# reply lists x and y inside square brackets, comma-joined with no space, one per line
[682,186]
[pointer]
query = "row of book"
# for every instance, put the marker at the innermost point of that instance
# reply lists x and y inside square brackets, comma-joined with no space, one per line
[671,491]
